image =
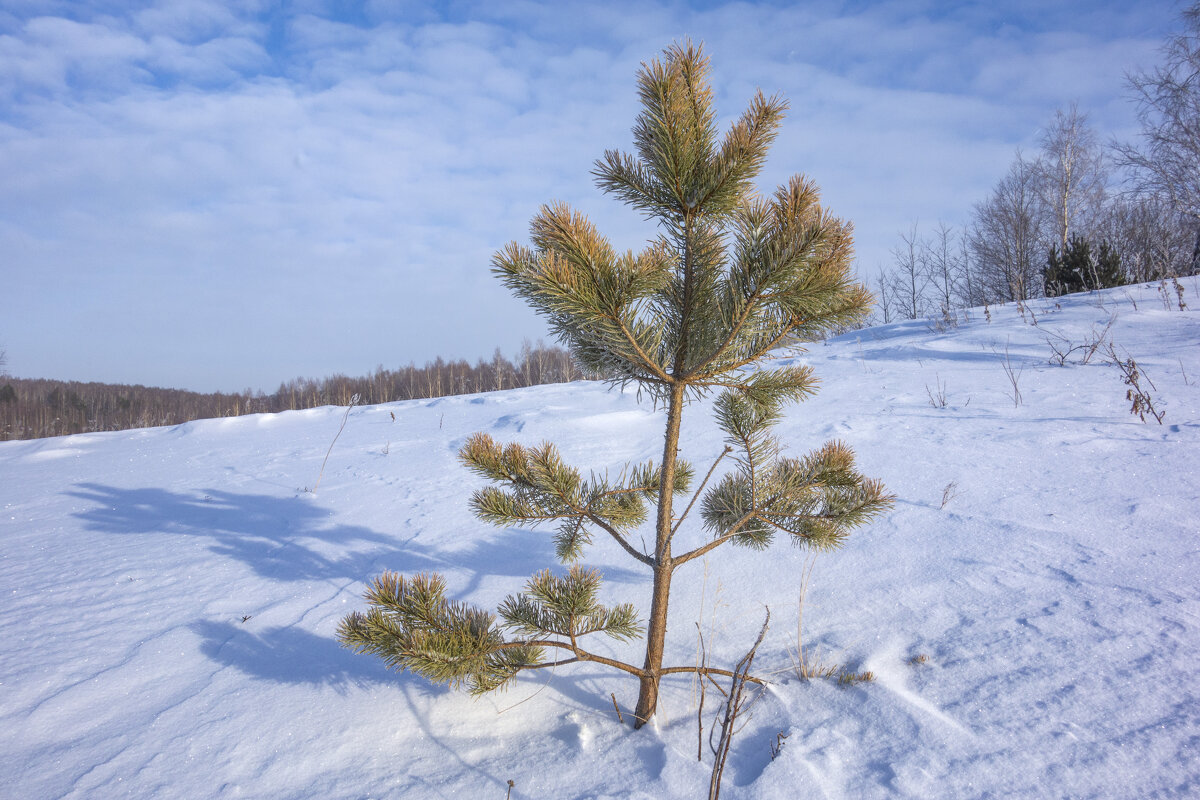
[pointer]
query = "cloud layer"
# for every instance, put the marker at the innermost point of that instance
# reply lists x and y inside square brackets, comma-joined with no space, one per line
[211,199]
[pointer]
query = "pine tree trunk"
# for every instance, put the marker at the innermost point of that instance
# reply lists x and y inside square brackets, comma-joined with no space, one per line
[656,629]
[655,637]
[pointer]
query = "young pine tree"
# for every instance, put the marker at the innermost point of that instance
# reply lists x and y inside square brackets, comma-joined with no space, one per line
[1078,269]
[731,279]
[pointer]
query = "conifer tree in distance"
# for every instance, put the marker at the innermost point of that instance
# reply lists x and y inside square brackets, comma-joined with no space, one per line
[1078,269]
[732,279]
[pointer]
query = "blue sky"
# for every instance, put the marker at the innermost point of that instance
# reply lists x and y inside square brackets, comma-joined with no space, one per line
[217,196]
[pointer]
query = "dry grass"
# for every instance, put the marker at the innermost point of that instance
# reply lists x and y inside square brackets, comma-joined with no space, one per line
[937,398]
[848,678]
[1014,376]
[949,493]
[806,665]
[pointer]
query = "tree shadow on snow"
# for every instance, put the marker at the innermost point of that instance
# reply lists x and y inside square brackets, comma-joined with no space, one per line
[292,538]
[281,538]
[291,655]
[285,539]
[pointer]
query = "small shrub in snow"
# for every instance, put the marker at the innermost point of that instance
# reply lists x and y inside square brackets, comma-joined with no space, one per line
[807,665]
[1063,348]
[734,713]
[1165,290]
[777,746]
[947,321]
[937,399]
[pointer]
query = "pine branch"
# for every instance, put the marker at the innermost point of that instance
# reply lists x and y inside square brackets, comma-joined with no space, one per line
[715,542]
[751,356]
[747,418]
[744,151]
[623,542]
[588,296]
[817,499]
[566,606]
[623,175]
[656,372]
[412,626]
[580,655]
[728,449]
[708,672]
[543,489]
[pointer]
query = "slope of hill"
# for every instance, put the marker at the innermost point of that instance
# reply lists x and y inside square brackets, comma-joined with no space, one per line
[171,594]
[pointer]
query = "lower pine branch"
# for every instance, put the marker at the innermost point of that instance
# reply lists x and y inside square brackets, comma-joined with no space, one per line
[709,672]
[581,655]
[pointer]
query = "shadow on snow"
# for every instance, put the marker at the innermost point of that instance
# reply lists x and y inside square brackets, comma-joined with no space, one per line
[290,655]
[284,539]
[292,538]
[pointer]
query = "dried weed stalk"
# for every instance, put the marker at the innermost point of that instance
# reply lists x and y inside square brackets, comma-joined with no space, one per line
[736,710]
[1141,401]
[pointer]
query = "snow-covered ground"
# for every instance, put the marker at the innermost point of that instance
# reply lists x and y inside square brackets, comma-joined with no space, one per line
[171,595]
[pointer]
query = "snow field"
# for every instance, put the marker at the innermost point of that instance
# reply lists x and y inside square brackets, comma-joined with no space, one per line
[171,594]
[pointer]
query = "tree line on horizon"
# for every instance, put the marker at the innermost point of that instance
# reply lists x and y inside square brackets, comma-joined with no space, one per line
[34,408]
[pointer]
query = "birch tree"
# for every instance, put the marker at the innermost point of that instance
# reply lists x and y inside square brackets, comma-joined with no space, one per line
[1165,162]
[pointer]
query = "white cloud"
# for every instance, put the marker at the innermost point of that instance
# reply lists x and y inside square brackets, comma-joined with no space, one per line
[195,21]
[216,62]
[51,52]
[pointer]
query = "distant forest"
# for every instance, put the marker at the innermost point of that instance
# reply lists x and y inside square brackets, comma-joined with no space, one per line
[36,408]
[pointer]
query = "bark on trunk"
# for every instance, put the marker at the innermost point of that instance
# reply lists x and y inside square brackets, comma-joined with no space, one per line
[656,628]
[647,702]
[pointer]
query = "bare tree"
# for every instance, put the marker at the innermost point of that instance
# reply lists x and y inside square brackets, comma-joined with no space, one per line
[1166,162]
[944,267]
[932,274]
[1006,236]
[968,280]
[884,301]
[1071,177]
[1152,240]
[909,278]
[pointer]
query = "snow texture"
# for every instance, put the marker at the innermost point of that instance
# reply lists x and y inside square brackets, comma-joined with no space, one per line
[171,594]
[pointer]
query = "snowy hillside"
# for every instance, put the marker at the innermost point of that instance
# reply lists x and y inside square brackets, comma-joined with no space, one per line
[171,595]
